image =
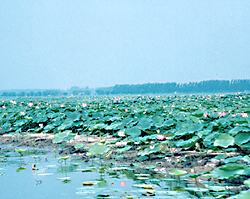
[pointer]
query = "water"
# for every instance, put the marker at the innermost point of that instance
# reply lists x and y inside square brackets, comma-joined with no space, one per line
[56,178]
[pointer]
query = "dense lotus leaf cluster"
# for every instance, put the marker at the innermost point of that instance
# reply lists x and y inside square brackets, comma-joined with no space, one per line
[198,122]
[211,120]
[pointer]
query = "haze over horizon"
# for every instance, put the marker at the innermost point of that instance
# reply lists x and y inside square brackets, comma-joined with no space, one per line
[60,44]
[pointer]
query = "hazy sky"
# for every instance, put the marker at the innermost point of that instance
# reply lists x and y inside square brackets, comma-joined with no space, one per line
[60,43]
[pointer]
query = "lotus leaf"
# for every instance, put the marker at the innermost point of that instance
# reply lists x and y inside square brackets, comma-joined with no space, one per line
[242,138]
[144,124]
[224,140]
[77,146]
[246,158]
[98,149]
[233,159]
[238,129]
[133,131]
[177,172]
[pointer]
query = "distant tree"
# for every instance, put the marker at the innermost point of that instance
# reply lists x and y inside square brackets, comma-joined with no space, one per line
[5,94]
[21,94]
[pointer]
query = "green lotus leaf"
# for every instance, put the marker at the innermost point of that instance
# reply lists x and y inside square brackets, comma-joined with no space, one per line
[177,172]
[114,126]
[20,150]
[246,158]
[98,149]
[226,174]
[62,146]
[216,188]
[187,143]
[231,167]
[242,138]
[238,129]
[233,159]
[145,186]
[168,123]
[73,116]
[97,115]
[20,122]
[80,145]
[20,169]
[247,182]
[242,196]
[196,127]
[203,133]
[65,157]
[219,157]
[133,131]
[224,140]
[158,121]
[144,123]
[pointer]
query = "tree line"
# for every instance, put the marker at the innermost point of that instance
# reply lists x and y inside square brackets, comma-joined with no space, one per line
[207,86]
[75,91]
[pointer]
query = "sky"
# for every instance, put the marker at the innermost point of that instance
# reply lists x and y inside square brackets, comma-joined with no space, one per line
[58,44]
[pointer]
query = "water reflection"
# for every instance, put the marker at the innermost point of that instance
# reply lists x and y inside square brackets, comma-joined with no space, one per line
[39,174]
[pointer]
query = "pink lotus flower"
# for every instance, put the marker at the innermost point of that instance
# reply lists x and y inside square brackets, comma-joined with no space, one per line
[243,115]
[41,125]
[160,137]
[62,105]
[123,183]
[205,115]
[22,113]
[3,106]
[221,114]
[84,105]
[164,106]
[234,115]
[126,110]
[121,133]
[30,104]
[173,105]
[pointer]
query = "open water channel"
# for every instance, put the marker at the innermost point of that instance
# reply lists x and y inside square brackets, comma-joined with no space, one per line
[43,174]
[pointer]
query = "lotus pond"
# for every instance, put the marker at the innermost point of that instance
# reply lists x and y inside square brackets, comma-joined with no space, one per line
[173,146]
[40,174]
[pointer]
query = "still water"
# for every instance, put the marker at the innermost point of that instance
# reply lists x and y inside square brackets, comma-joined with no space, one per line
[42,174]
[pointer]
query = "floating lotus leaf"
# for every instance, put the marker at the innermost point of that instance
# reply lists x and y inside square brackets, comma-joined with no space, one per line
[99,149]
[131,196]
[247,182]
[65,157]
[168,123]
[224,140]
[242,138]
[242,196]
[145,123]
[177,172]
[238,129]
[231,167]
[74,116]
[134,131]
[89,183]
[20,150]
[246,158]
[216,188]
[226,174]
[233,159]
[80,145]
[145,186]
[20,169]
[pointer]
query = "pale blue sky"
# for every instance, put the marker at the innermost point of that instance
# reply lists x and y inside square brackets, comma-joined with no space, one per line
[60,43]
